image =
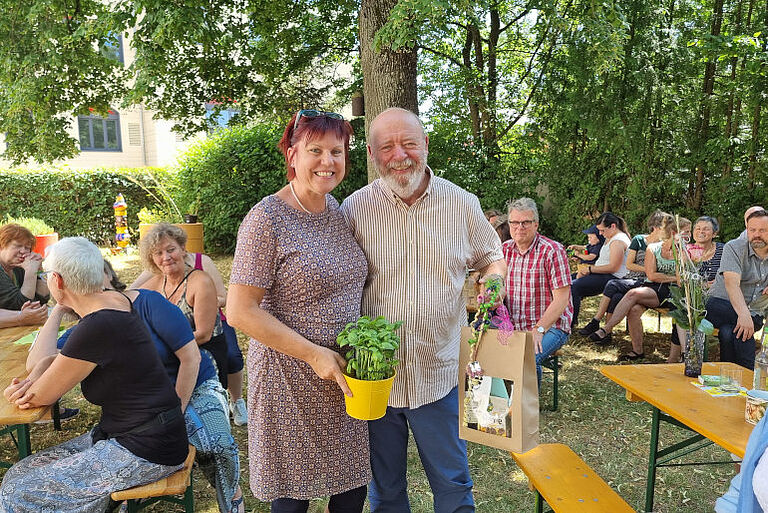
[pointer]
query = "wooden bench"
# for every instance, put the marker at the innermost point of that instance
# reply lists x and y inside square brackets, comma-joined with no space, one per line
[566,483]
[166,489]
[553,363]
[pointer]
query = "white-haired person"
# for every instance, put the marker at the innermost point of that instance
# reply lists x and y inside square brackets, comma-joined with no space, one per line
[141,435]
[203,400]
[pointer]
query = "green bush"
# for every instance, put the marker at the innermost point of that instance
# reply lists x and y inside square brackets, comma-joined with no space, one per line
[33,224]
[78,202]
[223,176]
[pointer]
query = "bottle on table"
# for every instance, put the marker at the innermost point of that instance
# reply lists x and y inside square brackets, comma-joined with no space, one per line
[761,364]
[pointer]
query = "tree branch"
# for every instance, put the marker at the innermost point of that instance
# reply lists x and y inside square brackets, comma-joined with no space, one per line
[444,55]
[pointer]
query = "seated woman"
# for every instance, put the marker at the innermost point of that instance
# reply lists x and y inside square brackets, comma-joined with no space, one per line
[660,272]
[198,388]
[141,435]
[22,293]
[163,253]
[235,361]
[615,289]
[610,264]
[707,254]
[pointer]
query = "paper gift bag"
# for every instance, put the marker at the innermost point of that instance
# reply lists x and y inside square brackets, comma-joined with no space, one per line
[502,409]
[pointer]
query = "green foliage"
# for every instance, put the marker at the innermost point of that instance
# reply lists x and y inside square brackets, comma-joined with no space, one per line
[372,345]
[52,67]
[261,58]
[225,175]
[33,224]
[77,202]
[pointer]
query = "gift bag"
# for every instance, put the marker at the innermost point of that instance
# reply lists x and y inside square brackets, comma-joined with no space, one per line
[501,408]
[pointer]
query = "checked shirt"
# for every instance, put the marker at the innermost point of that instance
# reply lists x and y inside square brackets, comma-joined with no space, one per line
[531,278]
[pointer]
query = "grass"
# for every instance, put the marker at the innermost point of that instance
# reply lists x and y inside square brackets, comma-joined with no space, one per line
[611,434]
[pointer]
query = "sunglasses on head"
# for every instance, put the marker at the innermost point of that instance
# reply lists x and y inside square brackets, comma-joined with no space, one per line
[312,113]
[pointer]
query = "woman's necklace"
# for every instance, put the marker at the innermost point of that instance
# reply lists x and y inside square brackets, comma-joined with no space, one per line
[290,185]
[165,281]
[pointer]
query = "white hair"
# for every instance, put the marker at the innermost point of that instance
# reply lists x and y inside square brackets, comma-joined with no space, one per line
[521,204]
[79,263]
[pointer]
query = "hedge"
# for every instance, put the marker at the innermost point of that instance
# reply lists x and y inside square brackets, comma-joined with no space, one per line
[79,202]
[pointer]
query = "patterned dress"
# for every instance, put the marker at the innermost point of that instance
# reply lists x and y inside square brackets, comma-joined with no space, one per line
[301,442]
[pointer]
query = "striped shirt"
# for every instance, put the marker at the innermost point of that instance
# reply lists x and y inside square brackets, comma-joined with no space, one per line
[531,278]
[418,258]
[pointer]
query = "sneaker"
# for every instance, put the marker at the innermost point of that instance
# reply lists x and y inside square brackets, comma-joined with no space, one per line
[591,327]
[65,414]
[239,413]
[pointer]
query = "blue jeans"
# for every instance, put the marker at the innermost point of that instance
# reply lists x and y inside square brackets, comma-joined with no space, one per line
[553,340]
[722,315]
[435,428]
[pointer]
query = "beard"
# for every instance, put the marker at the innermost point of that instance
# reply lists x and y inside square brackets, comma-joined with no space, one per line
[758,243]
[404,186]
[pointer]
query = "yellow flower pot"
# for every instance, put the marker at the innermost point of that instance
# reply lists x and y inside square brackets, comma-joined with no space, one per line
[370,398]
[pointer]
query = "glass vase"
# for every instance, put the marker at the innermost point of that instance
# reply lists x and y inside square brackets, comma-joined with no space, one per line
[694,352]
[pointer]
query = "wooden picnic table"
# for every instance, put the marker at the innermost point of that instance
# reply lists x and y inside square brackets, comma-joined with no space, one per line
[13,420]
[718,420]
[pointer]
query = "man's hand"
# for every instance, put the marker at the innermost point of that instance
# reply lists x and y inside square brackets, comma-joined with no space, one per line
[537,338]
[328,364]
[744,328]
[32,313]
[500,295]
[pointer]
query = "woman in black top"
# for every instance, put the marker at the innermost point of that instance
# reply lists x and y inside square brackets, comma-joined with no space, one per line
[141,436]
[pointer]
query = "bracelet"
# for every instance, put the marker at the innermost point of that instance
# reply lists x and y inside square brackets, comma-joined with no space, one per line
[589,268]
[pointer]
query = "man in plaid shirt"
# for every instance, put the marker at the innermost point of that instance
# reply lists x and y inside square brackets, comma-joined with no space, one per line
[538,281]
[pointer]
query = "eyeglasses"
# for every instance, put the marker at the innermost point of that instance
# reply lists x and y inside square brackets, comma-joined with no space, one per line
[312,113]
[519,224]
[44,275]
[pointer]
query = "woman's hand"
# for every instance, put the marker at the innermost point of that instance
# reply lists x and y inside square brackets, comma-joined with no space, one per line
[32,313]
[328,364]
[17,389]
[31,263]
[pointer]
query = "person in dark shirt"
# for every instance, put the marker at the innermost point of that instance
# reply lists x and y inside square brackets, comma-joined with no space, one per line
[141,436]
[195,379]
[22,293]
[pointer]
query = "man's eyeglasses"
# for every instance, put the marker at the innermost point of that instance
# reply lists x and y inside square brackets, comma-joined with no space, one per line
[523,224]
[312,113]
[44,275]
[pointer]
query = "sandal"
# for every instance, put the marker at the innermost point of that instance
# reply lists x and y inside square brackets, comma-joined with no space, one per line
[601,340]
[238,506]
[631,356]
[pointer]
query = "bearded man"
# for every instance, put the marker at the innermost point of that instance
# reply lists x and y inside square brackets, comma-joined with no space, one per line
[739,296]
[420,234]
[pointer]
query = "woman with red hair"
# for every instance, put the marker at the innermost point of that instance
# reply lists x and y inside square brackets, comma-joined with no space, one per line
[297,279]
[22,294]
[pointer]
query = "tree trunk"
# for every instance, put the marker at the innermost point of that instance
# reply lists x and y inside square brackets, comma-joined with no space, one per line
[730,126]
[389,77]
[490,139]
[696,186]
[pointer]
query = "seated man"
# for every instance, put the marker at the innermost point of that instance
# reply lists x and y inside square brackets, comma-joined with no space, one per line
[739,295]
[538,282]
[22,293]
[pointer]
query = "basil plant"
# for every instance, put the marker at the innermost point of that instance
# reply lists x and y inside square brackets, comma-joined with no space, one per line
[372,344]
